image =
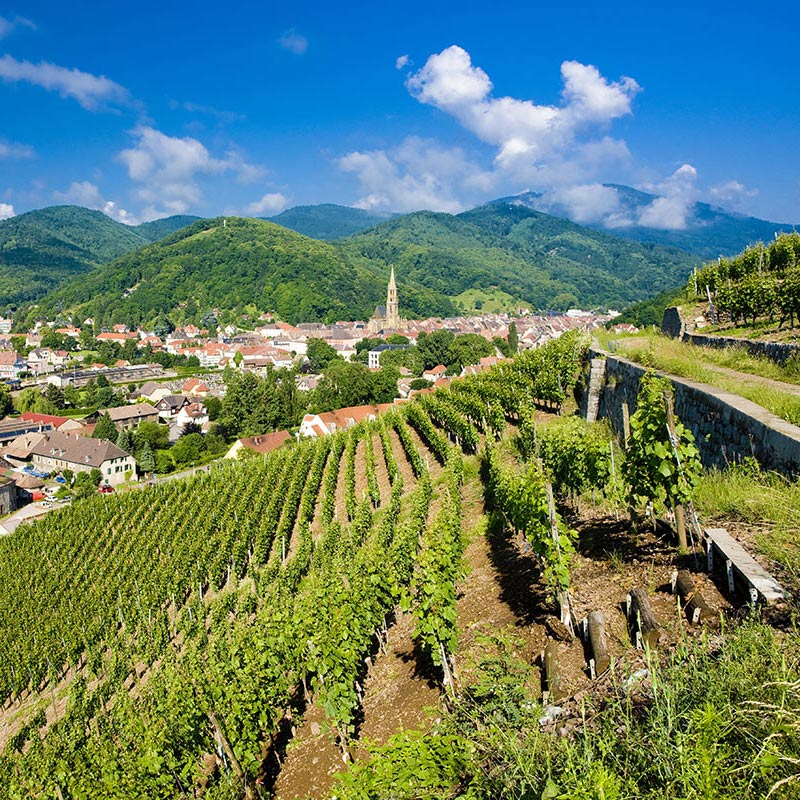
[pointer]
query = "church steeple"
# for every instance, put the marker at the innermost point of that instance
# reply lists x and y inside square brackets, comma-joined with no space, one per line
[392,305]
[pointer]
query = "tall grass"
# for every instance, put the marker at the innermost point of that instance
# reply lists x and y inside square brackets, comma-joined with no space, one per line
[697,364]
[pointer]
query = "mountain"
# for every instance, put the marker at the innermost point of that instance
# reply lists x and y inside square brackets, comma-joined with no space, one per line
[710,231]
[230,263]
[159,228]
[544,261]
[327,221]
[42,249]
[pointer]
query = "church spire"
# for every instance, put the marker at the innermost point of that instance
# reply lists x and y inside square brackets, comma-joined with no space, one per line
[392,304]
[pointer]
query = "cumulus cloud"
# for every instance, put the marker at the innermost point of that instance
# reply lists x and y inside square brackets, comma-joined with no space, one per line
[8,25]
[12,150]
[166,170]
[401,62]
[6,211]
[584,203]
[293,42]
[732,194]
[535,142]
[91,91]
[270,203]
[419,174]
[87,194]
[672,210]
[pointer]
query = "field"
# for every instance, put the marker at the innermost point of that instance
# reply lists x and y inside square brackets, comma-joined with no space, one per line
[364,616]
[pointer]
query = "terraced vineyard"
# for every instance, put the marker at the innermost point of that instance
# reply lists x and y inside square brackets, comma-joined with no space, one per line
[244,632]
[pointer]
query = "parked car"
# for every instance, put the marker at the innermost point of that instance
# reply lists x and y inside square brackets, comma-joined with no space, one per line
[105,489]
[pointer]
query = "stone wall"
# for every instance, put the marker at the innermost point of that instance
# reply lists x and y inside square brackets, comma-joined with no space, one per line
[727,427]
[672,324]
[779,352]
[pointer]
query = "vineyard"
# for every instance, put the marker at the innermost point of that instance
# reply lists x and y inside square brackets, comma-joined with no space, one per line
[215,636]
[763,281]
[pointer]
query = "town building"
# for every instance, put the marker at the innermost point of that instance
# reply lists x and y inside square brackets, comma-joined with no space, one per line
[387,317]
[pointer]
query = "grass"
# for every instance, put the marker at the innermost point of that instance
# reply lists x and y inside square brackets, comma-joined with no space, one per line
[717,718]
[764,500]
[486,301]
[697,364]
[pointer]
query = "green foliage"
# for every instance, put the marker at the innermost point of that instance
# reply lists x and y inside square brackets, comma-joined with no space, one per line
[105,429]
[434,347]
[320,354]
[576,454]
[327,221]
[661,465]
[6,401]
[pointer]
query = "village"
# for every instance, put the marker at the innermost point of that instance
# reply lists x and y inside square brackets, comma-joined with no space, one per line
[156,395]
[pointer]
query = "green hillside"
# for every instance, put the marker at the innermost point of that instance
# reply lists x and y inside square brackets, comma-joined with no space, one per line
[159,228]
[543,260]
[42,249]
[327,221]
[231,264]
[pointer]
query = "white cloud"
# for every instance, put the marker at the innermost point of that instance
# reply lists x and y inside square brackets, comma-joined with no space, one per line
[91,91]
[6,211]
[535,143]
[419,174]
[732,194]
[672,210]
[12,150]
[585,204]
[7,26]
[401,62]
[87,194]
[269,203]
[166,170]
[293,42]
[223,117]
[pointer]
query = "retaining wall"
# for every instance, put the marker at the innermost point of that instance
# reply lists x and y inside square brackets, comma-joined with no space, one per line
[726,427]
[779,352]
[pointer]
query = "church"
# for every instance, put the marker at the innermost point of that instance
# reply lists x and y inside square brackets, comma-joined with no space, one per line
[387,318]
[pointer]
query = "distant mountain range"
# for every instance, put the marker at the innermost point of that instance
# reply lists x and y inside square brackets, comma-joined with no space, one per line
[710,231]
[328,221]
[507,246]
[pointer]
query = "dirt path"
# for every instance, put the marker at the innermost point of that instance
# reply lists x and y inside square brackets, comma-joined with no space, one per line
[362,490]
[756,380]
[340,506]
[381,473]
[403,464]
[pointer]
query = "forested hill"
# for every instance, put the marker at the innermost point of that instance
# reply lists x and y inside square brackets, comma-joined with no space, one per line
[327,221]
[230,263]
[545,261]
[42,249]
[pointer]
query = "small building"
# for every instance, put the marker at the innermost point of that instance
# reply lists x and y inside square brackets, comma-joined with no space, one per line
[11,365]
[12,428]
[57,451]
[433,374]
[169,407]
[127,417]
[259,444]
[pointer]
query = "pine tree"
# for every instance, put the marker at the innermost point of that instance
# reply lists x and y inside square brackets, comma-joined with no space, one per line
[147,463]
[105,429]
[124,441]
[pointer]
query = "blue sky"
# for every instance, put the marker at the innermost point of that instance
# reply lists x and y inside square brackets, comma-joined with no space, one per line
[210,108]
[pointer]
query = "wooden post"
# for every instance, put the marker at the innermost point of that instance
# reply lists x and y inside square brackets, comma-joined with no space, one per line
[680,517]
[597,638]
[250,792]
[641,619]
[552,672]
[693,602]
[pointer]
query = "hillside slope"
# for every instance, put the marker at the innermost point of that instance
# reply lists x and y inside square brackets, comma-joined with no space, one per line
[159,228]
[543,260]
[42,249]
[231,263]
[327,221]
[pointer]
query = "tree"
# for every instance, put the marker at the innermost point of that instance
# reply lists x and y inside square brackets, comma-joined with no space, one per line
[320,354]
[86,340]
[410,359]
[189,428]
[343,384]
[434,347]
[188,449]
[124,441]
[162,326]
[146,462]
[6,403]
[84,486]
[396,338]
[153,434]
[105,429]
[513,338]
[53,394]
[384,385]
[468,349]
[213,407]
